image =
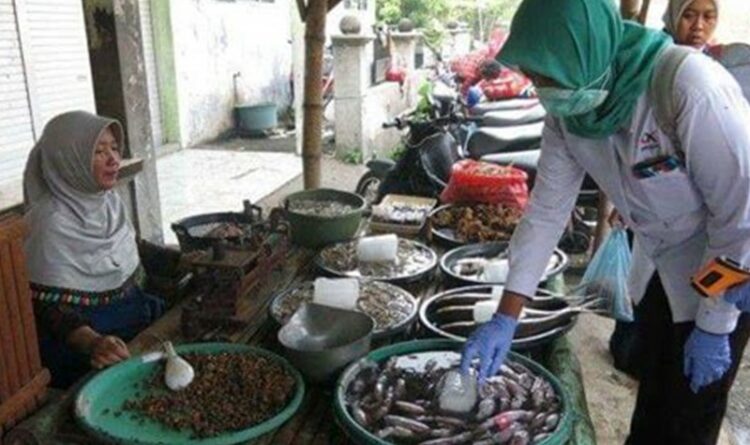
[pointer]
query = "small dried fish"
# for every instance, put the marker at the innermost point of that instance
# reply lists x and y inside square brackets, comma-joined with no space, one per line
[388,305]
[411,258]
[325,209]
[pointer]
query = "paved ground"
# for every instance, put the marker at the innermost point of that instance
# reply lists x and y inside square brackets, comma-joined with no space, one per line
[610,393]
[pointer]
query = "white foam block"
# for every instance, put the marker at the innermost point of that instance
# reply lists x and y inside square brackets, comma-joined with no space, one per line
[496,271]
[341,293]
[377,248]
[484,310]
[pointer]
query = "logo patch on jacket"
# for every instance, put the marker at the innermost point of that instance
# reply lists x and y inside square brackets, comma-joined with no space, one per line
[648,141]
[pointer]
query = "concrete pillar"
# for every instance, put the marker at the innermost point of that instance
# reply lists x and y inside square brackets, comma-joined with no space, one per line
[351,69]
[298,72]
[405,48]
[144,190]
[459,42]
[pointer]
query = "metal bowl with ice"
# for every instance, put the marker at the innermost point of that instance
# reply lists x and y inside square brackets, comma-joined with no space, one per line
[468,265]
[392,308]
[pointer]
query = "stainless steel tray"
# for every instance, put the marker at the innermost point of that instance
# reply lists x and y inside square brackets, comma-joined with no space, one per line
[415,261]
[281,314]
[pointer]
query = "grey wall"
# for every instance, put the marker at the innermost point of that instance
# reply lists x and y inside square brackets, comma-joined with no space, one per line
[215,39]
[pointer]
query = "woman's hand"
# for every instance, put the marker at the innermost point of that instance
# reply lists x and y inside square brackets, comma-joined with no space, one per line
[105,350]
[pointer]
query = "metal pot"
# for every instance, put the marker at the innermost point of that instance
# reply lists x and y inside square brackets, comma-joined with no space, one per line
[321,340]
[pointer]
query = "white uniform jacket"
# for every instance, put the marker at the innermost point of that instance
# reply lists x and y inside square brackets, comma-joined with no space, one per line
[681,218]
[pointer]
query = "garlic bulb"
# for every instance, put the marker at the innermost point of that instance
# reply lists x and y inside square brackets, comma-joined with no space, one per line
[178,373]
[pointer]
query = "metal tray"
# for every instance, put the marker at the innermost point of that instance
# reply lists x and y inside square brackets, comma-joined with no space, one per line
[194,232]
[275,309]
[447,236]
[559,261]
[101,398]
[421,268]
[461,299]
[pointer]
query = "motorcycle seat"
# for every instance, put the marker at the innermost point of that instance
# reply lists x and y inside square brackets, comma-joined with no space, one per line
[509,104]
[488,140]
[513,117]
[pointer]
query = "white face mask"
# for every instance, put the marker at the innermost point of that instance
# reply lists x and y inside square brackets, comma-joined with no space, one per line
[563,102]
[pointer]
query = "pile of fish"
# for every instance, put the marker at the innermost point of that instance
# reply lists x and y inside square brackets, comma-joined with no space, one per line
[326,209]
[401,405]
[387,304]
[545,317]
[412,258]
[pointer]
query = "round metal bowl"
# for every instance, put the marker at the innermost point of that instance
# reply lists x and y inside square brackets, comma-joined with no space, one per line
[415,355]
[450,315]
[418,266]
[321,340]
[558,262]
[447,236]
[284,305]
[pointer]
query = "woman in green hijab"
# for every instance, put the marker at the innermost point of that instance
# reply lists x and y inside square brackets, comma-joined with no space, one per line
[686,196]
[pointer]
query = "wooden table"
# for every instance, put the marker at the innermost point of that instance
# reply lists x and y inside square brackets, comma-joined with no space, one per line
[314,423]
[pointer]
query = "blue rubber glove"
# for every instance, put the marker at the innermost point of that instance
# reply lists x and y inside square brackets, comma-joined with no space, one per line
[473,96]
[739,296]
[707,358]
[491,342]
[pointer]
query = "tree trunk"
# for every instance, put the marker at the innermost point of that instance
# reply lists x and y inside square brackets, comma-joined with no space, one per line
[630,9]
[644,11]
[315,24]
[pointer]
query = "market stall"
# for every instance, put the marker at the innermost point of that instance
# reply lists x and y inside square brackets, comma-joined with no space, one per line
[254,323]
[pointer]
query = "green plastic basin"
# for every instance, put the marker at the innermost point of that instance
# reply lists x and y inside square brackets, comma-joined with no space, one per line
[98,405]
[361,436]
[315,231]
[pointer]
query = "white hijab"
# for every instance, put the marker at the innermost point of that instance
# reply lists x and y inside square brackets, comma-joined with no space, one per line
[674,12]
[80,237]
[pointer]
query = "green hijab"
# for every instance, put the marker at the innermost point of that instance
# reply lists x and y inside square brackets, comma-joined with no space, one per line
[575,42]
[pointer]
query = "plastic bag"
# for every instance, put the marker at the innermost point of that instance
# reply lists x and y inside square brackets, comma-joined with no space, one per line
[607,276]
[485,183]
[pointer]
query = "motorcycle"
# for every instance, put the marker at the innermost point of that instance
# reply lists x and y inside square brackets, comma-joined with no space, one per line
[433,145]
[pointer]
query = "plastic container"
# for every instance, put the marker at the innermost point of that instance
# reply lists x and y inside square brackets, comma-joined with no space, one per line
[403,229]
[315,231]
[255,119]
[361,436]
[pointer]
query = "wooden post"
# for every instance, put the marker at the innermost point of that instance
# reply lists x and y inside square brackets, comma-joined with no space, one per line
[629,9]
[644,11]
[315,25]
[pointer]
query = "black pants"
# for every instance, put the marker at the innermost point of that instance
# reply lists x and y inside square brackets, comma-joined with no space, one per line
[667,412]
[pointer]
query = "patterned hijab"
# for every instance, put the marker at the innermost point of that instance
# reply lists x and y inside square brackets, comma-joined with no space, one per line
[80,237]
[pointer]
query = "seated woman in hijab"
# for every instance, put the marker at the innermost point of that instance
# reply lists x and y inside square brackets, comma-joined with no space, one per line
[81,251]
[692,22]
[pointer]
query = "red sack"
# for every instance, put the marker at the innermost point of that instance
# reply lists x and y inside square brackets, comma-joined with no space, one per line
[485,183]
[508,84]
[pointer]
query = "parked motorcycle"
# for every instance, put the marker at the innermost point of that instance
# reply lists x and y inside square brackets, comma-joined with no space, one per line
[433,145]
